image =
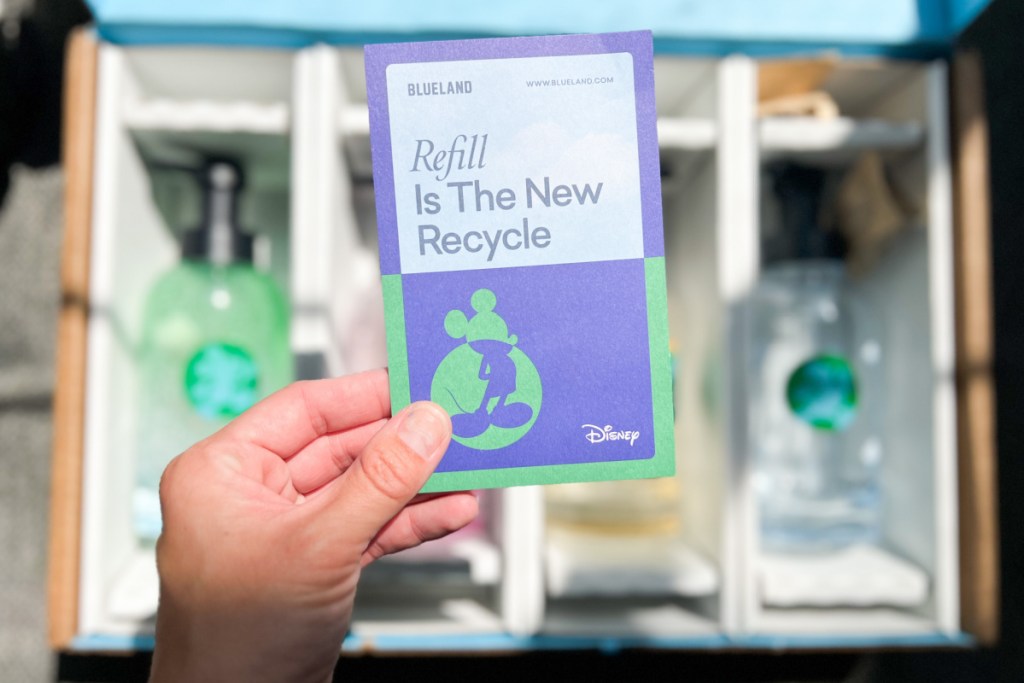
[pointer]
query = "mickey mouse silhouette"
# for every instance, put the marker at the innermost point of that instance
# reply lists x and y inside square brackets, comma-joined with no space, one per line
[487,334]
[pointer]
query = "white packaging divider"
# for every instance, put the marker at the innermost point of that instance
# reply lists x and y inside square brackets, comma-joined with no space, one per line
[737,258]
[230,117]
[108,471]
[942,302]
[522,533]
[323,222]
[684,133]
[808,134]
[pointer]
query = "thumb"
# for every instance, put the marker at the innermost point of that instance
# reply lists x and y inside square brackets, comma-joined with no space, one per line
[392,469]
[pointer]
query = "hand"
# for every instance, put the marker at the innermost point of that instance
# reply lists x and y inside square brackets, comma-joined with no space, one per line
[268,522]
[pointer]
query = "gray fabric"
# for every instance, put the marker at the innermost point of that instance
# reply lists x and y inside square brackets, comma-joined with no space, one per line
[30,229]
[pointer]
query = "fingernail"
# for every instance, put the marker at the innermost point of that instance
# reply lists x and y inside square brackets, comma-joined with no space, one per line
[423,429]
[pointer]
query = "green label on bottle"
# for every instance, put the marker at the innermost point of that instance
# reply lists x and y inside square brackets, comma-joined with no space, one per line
[221,381]
[823,393]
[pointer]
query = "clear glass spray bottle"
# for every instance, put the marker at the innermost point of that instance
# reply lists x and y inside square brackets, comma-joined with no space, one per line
[815,359]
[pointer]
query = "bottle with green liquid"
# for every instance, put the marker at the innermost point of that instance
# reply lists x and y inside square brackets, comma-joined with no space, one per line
[815,358]
[214,341]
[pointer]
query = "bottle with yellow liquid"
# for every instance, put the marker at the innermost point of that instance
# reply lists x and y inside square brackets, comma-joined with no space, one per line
[637,506]
[632,506]
[615,537]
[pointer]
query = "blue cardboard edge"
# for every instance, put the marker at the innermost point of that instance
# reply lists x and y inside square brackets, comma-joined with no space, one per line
[897,28]
[501,642]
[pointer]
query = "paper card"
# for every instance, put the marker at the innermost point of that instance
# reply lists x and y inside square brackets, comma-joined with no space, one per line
[520,232]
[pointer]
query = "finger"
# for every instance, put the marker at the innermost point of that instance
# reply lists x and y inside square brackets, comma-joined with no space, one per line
[285,422]
[387,474]
[323,460]
[426,521]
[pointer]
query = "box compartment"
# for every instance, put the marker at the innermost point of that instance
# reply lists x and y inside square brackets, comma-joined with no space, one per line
[899,111]
[158,106]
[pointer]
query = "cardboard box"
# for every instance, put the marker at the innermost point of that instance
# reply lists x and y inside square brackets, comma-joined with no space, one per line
[300,122]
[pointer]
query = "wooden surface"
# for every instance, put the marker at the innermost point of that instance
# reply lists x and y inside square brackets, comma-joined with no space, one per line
[979,529]
[69,396]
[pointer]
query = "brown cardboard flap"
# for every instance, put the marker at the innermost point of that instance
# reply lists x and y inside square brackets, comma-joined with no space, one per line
[69,396]
[979,528]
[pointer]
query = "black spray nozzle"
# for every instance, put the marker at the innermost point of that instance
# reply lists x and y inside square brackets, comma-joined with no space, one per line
[800,190]
[218,239]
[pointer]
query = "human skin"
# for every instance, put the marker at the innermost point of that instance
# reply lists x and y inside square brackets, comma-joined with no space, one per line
[268,523]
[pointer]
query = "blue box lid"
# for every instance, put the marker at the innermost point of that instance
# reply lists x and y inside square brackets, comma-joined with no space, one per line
[904,28]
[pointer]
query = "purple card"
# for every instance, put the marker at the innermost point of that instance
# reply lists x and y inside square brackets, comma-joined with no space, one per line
[519,217]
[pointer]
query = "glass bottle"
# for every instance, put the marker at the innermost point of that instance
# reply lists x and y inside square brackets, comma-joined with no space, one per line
[636,507]
[639,507]
[815,411]
[214,341]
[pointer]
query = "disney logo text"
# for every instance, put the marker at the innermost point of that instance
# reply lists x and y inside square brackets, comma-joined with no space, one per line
[608,433]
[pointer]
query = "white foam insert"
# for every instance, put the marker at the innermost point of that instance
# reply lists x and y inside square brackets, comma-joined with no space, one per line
[422,613]
[632,617]
[840,622]
[602,565]
[189,88]
[855,576]
[479,554]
